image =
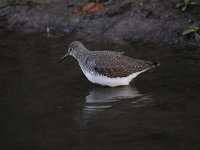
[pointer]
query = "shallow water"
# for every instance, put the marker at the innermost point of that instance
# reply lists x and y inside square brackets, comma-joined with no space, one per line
[46,105]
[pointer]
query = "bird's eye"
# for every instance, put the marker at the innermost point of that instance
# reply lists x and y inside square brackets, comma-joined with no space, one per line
[70,49]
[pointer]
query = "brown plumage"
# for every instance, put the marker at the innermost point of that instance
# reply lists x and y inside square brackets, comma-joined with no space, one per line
[114,64]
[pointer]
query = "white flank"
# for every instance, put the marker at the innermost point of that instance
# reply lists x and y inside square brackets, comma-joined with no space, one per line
[112,82]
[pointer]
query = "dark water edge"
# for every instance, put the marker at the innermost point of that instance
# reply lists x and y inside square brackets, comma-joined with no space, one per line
[46,105]
[154,20]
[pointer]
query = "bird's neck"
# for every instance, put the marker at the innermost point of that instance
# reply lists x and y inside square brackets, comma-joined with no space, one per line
[80,55]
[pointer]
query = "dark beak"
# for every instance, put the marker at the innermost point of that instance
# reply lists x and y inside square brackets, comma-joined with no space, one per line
[63,57]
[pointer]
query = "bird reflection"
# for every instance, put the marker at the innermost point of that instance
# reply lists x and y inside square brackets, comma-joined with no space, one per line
[105,97]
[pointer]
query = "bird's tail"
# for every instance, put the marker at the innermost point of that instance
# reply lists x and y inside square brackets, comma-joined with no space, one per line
[155,64]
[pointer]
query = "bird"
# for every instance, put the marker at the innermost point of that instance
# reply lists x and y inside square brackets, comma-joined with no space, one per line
[107,68]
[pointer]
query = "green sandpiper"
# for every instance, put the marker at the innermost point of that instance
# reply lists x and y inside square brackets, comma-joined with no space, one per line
[107,68]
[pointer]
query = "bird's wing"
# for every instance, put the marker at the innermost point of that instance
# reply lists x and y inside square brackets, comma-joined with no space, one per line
[112,52]
[118,65]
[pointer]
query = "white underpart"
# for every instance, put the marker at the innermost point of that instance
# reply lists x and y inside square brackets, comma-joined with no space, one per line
[112,82]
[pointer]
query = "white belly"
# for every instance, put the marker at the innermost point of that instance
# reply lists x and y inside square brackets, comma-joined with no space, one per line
[112,82]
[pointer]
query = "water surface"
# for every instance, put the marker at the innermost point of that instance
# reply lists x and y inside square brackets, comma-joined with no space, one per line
[46,105]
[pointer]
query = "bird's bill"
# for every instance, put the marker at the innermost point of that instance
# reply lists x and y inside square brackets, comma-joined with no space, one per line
[63,57]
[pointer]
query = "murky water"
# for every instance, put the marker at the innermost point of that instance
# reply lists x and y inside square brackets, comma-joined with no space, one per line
[49,106]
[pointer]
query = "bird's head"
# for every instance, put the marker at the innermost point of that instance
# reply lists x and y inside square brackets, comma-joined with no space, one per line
[74,48]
